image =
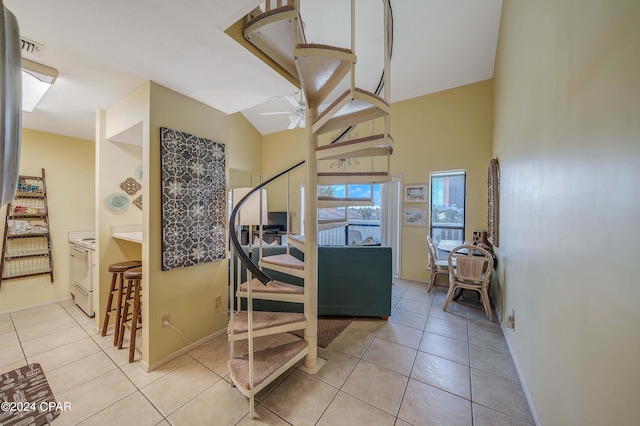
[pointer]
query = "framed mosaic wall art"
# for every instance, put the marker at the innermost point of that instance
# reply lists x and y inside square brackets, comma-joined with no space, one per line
[193,173]
[493,202]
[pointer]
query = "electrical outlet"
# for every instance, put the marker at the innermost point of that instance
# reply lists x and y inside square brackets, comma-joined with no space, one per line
[164,318]
[218,302]
[511,319]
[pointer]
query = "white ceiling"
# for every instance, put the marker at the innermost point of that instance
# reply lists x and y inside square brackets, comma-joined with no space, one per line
[104,49]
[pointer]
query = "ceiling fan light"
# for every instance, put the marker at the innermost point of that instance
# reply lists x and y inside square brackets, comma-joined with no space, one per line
[293,121]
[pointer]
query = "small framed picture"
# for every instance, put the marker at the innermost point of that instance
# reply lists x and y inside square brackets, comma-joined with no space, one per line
[416,193]
[415,216]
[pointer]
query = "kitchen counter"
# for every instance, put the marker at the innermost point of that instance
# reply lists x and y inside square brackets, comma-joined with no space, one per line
[131,233]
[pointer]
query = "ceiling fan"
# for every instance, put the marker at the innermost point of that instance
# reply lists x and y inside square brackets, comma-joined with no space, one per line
[296,117]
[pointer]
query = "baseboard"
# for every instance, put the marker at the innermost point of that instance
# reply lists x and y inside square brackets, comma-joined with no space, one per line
[416,280]
[522,382]
[10,311]
[210,338]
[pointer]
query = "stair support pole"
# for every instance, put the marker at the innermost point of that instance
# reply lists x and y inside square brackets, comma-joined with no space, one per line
[311,242]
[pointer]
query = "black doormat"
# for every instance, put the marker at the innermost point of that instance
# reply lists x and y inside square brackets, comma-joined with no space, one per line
[26,397]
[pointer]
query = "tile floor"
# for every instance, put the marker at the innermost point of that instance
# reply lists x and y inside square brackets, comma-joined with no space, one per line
[421,367]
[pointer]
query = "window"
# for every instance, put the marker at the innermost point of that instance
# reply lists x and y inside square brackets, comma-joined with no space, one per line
[447,206]
[353,224]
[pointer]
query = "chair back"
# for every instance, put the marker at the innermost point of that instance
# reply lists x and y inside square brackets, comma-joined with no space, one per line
[433,255]
[471,265]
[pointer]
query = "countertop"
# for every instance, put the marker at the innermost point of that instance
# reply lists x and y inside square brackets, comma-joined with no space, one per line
[131,233]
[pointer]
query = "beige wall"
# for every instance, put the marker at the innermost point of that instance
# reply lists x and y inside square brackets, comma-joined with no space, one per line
[448,130]
[187,294]
[566,135]
[69,165]
[115,162]
[280,151]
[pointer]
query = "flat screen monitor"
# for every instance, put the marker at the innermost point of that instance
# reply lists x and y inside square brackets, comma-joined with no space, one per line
[277,221]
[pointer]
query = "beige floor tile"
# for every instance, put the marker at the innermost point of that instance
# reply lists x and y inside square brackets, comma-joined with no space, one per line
[121,356]
[347,410]
[410,319]
[300,399]
[284,339]
[262,417]
[64,355]
[417,296]
[11,350]
[377,386]
[483,416]
[367,324]
[12,365]
[414,306]
[216,359]
[71,375]
[104,341]
[353,341]
[141,378]
[132,410]
[447,328]
[47,328]
[220,405]
[6,325]
[391,356]
[205,347]
[443,374]
[397,293]
[445,347]
[426,405]
[494,362]
[173,390]
[453,308]
[488,335]
[394,302]
[437,312]
[337,368]
[477,313]
[163,423]
[500,394]
[260,396]
[94,396]
[53,340]
[38,315]
[402,423]
[401,334]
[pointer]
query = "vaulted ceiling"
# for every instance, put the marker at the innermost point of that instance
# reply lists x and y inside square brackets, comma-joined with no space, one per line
[103,50]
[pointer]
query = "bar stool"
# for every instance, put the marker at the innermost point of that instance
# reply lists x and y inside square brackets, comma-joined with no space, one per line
[116,289]
[133,301]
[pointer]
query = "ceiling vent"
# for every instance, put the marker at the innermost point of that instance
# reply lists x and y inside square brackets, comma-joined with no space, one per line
[31,47]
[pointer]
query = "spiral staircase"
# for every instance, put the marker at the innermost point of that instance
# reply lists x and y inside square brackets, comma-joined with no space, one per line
[277,30]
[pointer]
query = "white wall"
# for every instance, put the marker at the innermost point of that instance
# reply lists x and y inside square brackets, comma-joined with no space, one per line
[566,134]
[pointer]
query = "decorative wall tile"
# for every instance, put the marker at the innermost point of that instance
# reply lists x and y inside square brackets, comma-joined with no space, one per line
[138,202]
[130,186]
[193,199]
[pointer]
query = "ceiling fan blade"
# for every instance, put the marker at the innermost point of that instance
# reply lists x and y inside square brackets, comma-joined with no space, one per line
[294,103]
[275,113]
[302,121]
[293,120]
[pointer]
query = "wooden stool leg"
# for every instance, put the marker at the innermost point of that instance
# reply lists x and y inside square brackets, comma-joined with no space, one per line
[134,321]
[118,313]
[105,323]
[125,312]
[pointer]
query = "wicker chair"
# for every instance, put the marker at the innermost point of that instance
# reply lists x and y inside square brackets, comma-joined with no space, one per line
[470,269]
[436,266]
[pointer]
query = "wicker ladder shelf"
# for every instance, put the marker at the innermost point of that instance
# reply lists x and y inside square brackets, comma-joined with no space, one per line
[26,243]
